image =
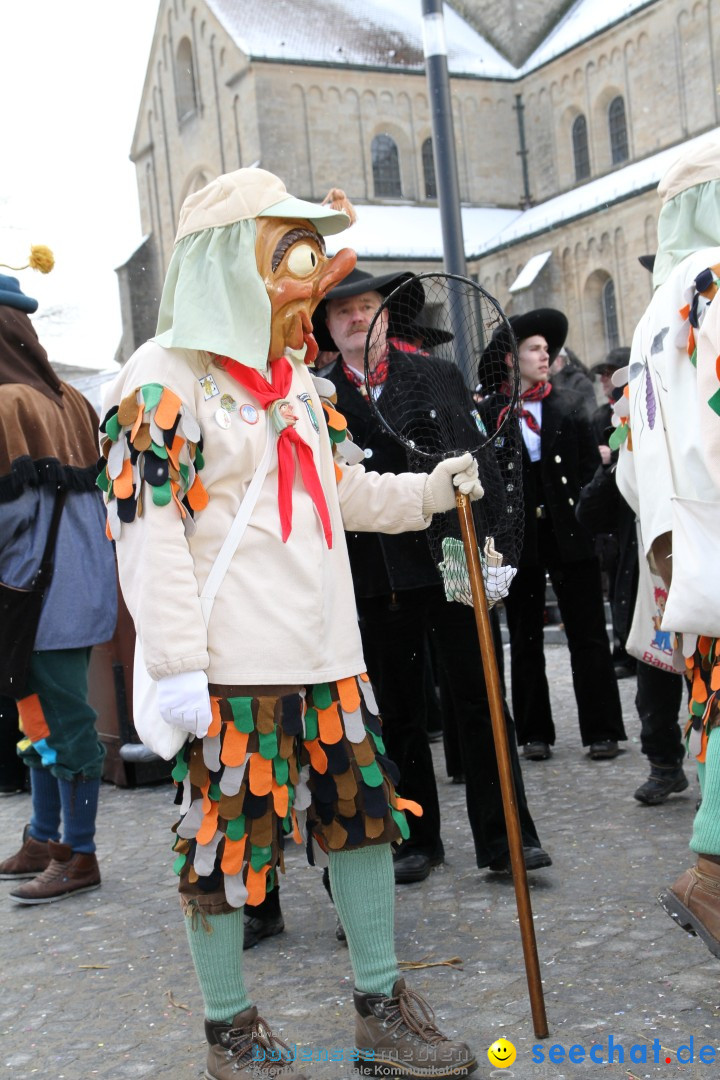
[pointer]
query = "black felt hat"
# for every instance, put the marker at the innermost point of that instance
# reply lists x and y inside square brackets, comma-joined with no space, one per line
[648,261]
[616,358]
[548,322]
[360,281]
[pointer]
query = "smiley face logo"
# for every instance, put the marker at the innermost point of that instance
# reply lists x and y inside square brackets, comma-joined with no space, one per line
[501,1054]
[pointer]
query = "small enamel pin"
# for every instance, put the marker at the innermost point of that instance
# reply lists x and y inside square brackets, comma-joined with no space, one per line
[249,414]
[210,387]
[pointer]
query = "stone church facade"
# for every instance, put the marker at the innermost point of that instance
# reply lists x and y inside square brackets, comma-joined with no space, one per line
[562,133]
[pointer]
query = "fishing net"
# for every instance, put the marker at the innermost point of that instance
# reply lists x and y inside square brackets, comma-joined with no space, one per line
[441,374]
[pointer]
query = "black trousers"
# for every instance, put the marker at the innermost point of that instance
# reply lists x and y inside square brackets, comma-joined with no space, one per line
[393,631]
[658,701]
[578,589]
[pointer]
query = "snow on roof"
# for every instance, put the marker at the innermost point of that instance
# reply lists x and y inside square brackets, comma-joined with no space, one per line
[603,192]
[374,33]
[529,272]
[583,20]
[414,232]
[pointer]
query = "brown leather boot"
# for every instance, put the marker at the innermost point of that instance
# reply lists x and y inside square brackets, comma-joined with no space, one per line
[397,1036]
[68,872]
[247,1049]
[32,858]
[693,901]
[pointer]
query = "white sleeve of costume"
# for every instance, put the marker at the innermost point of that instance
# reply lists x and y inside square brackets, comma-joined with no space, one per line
[651,478]
[708,378]
[381,502]
[158,583]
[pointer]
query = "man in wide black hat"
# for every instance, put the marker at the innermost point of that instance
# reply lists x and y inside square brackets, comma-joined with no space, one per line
[398,589]
[559,456]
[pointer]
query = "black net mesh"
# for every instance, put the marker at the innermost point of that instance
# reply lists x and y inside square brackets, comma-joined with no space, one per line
[441,375]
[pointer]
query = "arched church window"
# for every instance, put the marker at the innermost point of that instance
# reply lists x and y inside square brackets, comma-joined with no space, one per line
[185,80]
[581,150]
[612,336]
[428,164]
[617,124]
[386,168]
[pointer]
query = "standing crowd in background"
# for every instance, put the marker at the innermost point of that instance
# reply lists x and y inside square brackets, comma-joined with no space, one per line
[319,728]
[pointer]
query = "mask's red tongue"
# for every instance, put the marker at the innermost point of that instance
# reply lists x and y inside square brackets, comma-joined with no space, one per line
[312,348]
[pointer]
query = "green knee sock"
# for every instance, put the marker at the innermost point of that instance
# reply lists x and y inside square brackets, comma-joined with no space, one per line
[706,827]
[216,947]
[363,888]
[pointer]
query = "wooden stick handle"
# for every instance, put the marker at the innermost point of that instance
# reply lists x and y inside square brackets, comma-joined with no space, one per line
[507,784]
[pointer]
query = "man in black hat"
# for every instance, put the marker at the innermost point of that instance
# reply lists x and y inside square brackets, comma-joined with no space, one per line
[559,456]
[400,597]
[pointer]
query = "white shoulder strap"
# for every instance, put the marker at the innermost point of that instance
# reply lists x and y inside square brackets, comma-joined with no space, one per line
[234,536]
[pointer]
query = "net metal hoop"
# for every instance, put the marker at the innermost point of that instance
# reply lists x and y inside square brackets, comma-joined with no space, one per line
[481,298]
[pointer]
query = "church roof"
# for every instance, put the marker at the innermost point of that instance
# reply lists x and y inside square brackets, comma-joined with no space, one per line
[387,34]
[375,33]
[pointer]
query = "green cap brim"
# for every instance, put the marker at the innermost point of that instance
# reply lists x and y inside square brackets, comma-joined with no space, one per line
[326,220]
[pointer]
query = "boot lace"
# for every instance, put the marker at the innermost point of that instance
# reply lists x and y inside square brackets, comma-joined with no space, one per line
[413,1012]
[257,1049]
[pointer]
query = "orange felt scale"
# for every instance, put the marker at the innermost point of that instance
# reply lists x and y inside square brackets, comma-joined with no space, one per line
[260,775]
[699,690]
[32,718]
[255,884]
[233,856]
[281,799]
[197,496]
[216,722]
[349,695]
[234,747]
[330,724]
[138,422]
[167,409]
[715,676]
[374,827]
[208,828]
[408,804]
[318,757]
[123,485]
[174,450]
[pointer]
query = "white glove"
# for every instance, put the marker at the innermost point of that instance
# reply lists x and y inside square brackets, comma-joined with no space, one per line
[184,701]
[455,472]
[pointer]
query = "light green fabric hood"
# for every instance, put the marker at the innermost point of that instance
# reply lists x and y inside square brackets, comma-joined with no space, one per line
[214,298]
[687,223]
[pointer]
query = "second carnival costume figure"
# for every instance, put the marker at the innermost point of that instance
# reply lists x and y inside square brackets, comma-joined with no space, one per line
[283,736]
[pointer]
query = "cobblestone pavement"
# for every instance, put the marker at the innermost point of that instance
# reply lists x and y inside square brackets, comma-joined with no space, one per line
[101,985]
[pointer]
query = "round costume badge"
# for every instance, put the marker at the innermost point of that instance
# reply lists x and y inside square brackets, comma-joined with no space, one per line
[222,418]
[249,414]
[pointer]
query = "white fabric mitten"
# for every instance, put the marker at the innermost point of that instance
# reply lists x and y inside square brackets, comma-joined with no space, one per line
[184,701]
[455,472]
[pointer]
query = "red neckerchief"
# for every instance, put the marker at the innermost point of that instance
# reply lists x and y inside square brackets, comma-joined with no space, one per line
[535,393]
[375,378]
[276,390]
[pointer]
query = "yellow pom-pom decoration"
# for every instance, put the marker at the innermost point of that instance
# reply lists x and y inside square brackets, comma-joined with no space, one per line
[41,258]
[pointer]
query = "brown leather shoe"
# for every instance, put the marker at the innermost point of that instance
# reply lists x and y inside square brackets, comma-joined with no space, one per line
[32,858]
[693,902]
[247,1049]
[68,872]
[397,1036]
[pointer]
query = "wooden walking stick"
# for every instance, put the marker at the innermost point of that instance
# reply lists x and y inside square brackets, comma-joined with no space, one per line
[507,784]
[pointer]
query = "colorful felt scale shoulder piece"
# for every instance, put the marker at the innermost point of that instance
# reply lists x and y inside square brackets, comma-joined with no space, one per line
[151,438]
[698,297]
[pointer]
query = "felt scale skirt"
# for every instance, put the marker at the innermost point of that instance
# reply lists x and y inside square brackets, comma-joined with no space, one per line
[305,762]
